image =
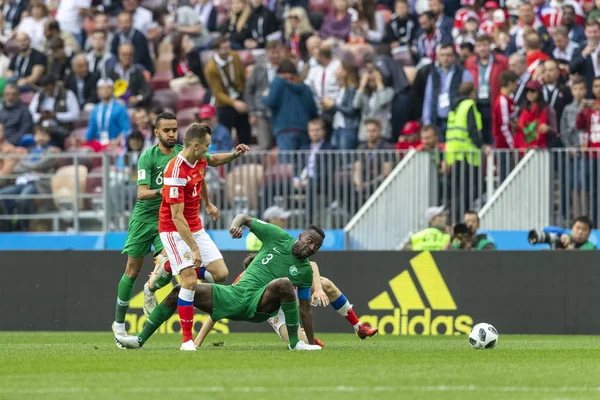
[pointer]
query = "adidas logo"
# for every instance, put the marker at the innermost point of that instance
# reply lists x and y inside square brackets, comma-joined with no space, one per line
[412,313]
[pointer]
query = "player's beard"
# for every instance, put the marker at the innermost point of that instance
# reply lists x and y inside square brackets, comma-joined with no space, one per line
[166,143]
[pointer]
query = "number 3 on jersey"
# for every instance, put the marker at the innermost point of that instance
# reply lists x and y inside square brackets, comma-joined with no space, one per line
[268,258]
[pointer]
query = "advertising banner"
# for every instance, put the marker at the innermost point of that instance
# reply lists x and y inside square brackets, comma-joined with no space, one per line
[402,293]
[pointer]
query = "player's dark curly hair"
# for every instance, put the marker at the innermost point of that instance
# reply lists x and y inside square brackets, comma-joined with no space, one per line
[316,229]
[249,258]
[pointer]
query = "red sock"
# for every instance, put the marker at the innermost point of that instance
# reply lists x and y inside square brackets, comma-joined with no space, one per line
[352,318]
[199,273]
[168,267]
[186,318]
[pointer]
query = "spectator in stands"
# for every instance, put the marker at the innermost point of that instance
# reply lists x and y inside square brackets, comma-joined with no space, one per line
[100,60]
[518,65]
[440,81]
[442,19]
[4,61]
[555,93]
[528,20]
[70,16]
[374,101]
[582,62]
[184,64]
[273,215]
[502,29]
[52,31]
[34,24]
[260,80]
[467,50]
[409,136]
[238,17]
[297,30]
[27,66]
[346,118]
[463,143]
[131,87]
[55,108]
[187,21]
[7,164]
[13,11]
[534,55]
[143,124]
[372,168]
[401,30]
[208,14]
[574,31]
[109,122]
[472,240]
[14,116]
[370,24]
[429,139]
[322,79]
[100,24]
[83,83]
[292,107]
[221,140]
[313,45]
[588,121]
[227,81]
[338,22]
[131,36]
[32,177]
[430,38]
[565,47]
[569,133]
[59,64]
[537,120]
[486,68]
[143,20]
[504,117]
[262,26]
[435,237]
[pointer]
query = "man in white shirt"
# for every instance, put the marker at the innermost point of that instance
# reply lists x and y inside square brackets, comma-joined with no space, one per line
[70,15]
[143,20]
[564,46]
[323,82]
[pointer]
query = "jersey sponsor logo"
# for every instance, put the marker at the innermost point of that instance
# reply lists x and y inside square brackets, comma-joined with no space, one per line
[174,193]
[293,270]
[412,313]
[276,251]
[141,174]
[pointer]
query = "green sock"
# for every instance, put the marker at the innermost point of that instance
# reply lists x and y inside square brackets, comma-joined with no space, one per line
[124,294]
[292,321]
[156,318]
[162,282]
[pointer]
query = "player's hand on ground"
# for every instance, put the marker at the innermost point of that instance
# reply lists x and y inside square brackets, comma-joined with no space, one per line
[236,232]
[213,211]
[197,258]
[319,298]
[241,149]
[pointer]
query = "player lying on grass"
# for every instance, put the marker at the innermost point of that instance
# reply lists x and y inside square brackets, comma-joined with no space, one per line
[324,292]
[143,226]
[267,285]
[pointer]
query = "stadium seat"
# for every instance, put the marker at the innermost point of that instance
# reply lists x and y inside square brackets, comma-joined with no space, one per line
[164,99]
[318,6]
[188,115]
[161,80]
[245,183]
[191,97]
[63,186]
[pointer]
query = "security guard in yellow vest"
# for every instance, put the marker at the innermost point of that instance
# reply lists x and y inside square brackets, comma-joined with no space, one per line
[463,143]
[435,237]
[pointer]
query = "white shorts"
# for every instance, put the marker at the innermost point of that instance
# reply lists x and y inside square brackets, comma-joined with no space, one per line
[277,322]
[180,254]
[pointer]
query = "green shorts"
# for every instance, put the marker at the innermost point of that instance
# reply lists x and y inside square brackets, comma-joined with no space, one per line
[140,239]
[238,304]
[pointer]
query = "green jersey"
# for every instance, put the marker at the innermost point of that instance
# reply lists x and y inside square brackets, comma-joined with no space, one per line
[151,166]
[275,260]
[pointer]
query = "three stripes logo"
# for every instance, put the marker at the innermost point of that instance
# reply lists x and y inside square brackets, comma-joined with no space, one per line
[412,312]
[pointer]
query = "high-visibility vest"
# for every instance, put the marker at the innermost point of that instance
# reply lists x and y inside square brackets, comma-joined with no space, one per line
[429,239]
[459,146]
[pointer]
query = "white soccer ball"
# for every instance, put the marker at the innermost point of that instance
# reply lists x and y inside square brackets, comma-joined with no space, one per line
[483,336]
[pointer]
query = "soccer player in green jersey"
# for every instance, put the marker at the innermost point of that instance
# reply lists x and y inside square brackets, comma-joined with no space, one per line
[267,285]
[143,225]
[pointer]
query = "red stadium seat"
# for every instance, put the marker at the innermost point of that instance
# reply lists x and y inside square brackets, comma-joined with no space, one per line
[161,80]
[246,57]
[164,99]
[192,97]
[318,6]
[186,116]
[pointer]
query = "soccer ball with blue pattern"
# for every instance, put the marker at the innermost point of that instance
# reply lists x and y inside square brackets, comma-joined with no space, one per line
[483,336]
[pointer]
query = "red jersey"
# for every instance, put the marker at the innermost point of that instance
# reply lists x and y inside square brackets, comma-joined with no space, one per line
[502,112]
[182,184]
[589,122]
[461,16]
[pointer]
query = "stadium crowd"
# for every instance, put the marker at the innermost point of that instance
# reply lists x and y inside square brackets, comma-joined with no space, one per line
[466,77]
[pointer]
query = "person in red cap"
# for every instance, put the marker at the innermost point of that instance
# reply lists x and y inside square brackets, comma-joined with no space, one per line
[536,120]
[409,137]
[221,139]
[487,18]
[468,7]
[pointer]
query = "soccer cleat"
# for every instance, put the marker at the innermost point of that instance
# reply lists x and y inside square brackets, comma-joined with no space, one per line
[149,302]
[159,269]
[319,343]
[128,342]
[365,330]
[188,346]
[118,332]
[302,346]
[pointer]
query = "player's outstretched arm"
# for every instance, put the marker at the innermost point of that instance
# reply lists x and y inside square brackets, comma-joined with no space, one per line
[307,320]
[145,193]
[319,297]
[238,222]
[206,327]
[216,160]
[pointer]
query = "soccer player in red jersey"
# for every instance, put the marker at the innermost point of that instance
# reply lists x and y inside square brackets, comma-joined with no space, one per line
[187,245]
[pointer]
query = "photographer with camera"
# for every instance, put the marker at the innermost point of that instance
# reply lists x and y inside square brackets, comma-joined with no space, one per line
[559,238]
[465,237]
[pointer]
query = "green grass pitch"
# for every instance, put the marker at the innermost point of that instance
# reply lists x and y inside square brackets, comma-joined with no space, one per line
[258,366]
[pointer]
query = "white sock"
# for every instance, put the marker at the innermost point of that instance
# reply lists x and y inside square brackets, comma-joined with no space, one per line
[187,295]
[208,277]
[120,326]
[356,325]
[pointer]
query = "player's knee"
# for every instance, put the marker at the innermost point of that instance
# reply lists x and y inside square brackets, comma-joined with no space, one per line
[133,268]
[221,275]
[326,284]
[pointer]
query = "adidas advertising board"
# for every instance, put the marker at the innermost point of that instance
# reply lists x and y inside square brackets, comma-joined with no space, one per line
[402,293]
